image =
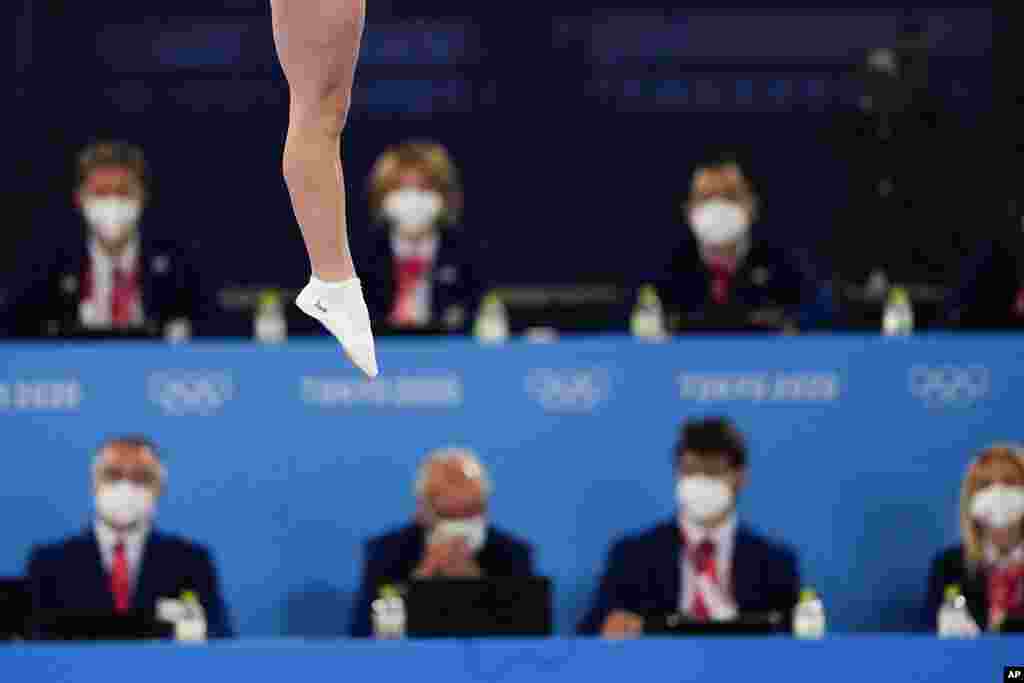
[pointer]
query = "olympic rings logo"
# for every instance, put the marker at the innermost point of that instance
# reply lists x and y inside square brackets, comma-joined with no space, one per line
[180,393]
[569,391]
[950,385]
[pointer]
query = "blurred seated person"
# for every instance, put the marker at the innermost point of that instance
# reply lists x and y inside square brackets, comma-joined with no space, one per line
[702,563]
[724,275]
[991,293]
[988,565]
[121,562]
[113,277]
[421,266]
[451,536]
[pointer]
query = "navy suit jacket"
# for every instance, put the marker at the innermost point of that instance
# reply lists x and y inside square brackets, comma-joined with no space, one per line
[70,575]
[642,575]
[41,298]
[391,558]
[455,281]
[768,278]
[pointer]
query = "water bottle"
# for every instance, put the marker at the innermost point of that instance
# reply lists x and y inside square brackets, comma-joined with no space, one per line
[388,613]
[178,331]
[191,627]
[898,317]
[809,616]
[491,325]
[954,619]
[648,319]
[270,326]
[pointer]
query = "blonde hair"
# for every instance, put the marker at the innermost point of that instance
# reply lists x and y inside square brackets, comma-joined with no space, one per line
[429,158]
[1013,454]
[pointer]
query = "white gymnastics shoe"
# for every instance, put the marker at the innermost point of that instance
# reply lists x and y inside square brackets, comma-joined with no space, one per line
[340,307]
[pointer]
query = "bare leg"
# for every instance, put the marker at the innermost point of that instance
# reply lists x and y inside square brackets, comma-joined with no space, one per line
[318,44]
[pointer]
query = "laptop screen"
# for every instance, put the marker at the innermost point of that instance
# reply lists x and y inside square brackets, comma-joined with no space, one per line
[493,606]
[15,604]
[98,625]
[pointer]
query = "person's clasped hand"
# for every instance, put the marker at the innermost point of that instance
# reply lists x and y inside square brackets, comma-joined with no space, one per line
[622,624]
[449,558]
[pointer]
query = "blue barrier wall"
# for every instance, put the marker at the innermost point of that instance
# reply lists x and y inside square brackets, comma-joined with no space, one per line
[880,659]
[283,460]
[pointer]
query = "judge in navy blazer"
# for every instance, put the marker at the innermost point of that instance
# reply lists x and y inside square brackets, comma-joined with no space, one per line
[704,563]
[724,271]
[420,268]
[120,562]
[113,276]
[451,536]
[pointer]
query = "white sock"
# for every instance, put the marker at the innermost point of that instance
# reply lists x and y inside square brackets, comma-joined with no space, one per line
[348,320]
[337,284]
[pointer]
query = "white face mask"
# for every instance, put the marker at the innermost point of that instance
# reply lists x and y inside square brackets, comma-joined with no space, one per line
[717,222]
[413,211]
[111,217]
[472,529]
[998,506]
[703,498]
[124,503]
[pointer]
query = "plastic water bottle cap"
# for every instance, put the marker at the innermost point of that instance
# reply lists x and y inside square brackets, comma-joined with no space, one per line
[648,296]
[952,592]
[898,296]
[808,594]
[268,300]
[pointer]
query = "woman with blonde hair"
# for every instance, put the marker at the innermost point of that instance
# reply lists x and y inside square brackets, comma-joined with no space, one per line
[988,566]
[422,270]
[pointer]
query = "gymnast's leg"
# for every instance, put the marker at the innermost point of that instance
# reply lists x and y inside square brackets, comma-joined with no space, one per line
[318,43]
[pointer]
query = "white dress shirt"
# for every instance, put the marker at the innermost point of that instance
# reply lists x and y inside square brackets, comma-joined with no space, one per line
[720,602]
[710,255]
[134,543]
[424,248]
[95,312]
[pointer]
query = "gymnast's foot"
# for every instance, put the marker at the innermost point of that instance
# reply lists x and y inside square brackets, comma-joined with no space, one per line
[340,307]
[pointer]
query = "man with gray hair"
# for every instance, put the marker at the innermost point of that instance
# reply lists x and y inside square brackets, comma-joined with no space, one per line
[120,563]
[450,536]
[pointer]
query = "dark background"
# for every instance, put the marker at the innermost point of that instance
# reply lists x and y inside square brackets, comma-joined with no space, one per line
[576,127]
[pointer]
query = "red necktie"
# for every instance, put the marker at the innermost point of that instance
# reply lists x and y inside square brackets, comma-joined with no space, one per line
[122,298]
[704,563]
[408,274]
[1005,591]
[722,268]
[120,582]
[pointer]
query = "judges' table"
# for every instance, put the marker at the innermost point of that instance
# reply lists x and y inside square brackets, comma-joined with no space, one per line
[283,460]
[852,659]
